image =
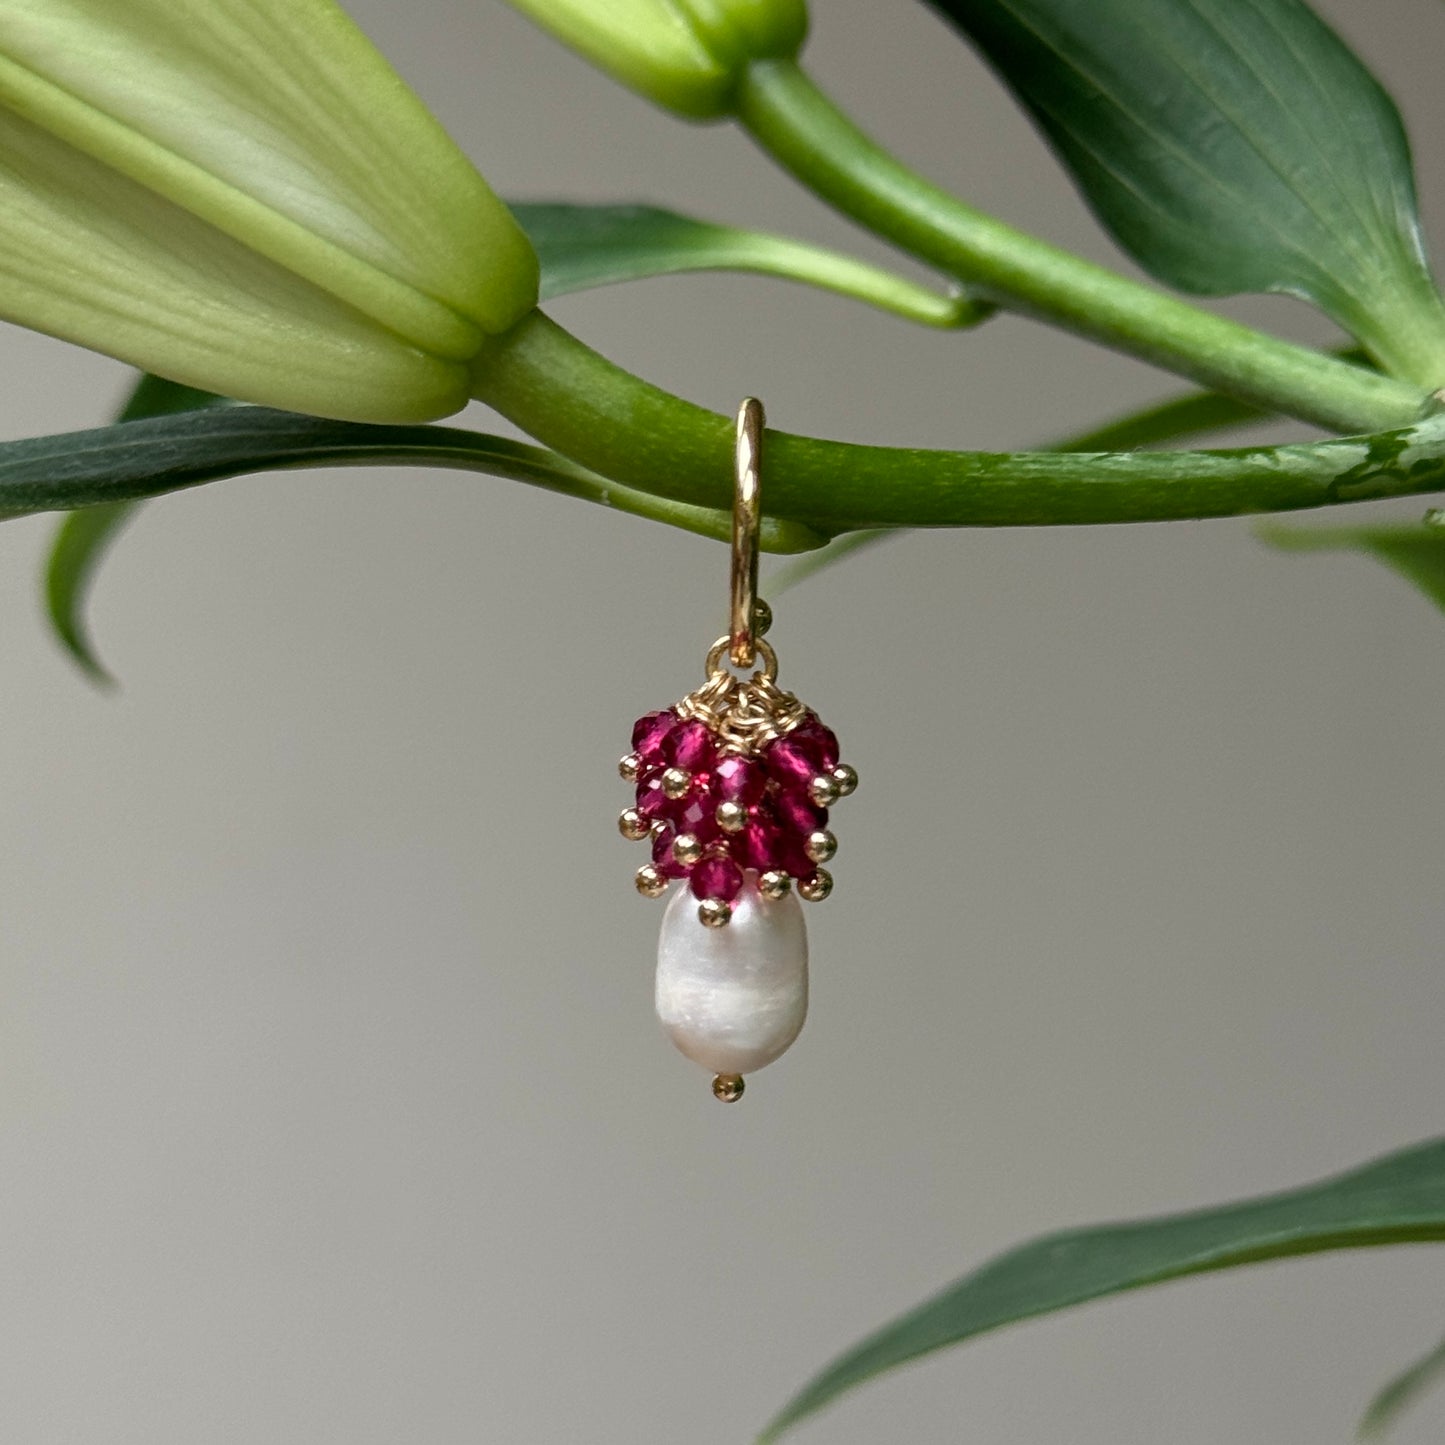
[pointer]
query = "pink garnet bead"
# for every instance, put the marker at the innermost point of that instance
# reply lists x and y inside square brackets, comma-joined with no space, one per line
[690,745]
[662,858]
[799,812]
[795,856]
[696,814]
[821,741]
[652,802]
[649,733]
[801,755]
[716,878]
[760,846]
[791,762]
[740,780]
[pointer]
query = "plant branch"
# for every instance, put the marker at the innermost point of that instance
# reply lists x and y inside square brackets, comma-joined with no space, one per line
[581,405]
[810,137]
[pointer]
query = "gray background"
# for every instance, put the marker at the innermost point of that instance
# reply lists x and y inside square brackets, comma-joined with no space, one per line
[331,1103]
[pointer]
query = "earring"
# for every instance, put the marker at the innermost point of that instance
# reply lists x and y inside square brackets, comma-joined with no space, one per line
[734,783]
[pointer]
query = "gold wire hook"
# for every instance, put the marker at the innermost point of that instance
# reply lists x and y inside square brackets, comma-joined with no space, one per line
[747,519]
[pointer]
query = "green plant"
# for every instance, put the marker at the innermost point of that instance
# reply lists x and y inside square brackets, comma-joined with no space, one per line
[390,323]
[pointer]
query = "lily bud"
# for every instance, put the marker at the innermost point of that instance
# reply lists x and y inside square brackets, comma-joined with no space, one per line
[243,196]
[687,55]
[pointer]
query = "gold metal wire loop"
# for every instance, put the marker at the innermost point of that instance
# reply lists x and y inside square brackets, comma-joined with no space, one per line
[745,713]
[763,649]
[742,638]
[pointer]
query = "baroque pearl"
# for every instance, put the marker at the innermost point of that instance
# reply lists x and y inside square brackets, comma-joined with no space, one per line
[733,998]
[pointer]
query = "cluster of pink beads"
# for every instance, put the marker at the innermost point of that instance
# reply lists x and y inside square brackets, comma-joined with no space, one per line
[713,813]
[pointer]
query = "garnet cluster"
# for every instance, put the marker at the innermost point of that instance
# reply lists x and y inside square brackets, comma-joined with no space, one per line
[712,811]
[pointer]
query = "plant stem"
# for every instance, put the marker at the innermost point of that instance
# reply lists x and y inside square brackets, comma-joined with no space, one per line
[581,405]
[810,137]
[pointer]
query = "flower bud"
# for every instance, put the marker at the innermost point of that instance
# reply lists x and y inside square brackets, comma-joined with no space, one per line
[687,55]
[243,196]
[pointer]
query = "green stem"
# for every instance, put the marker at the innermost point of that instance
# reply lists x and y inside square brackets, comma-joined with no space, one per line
[580,404]
[809,136]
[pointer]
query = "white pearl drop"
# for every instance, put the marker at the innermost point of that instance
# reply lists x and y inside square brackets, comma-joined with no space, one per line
[733,998]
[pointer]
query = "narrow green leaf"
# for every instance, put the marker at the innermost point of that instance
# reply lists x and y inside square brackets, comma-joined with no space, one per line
[82,538]
[1230,146]
[1189,414]
[162,454]
[80,542]
[1192,413]
[1416,552]
[1405,1390]
[800,569]
[1399,1199]
[585,246]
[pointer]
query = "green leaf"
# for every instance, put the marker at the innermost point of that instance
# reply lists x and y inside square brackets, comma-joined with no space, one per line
[1189,414]
[1417,552]
[585,246]
[1399,1199]
[80,542]
[72,467]
[1402,1392]
[162,454]
[82,538]
[1192,413]
[1230,146]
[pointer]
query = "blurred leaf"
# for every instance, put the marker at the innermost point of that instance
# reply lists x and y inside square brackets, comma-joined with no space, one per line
[155,396]
[149,457]
[82,537]
[1190,414]
[1230,146]
[1402,1392]
[585,246]
[1415,552]
[80,542]
[1399,1199]
[800,569]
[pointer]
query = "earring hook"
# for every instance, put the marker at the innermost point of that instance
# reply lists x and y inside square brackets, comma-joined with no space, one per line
[747,520]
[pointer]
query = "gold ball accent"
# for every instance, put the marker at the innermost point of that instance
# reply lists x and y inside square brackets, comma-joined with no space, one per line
[686,849]
[630,767]
[774,885]
[762,618]
[846,779]
[820,846]
[631,824]
[714,913]
[650,883]
[817,886]
[728,1088]
[676,782]
[824,791]
[732,817]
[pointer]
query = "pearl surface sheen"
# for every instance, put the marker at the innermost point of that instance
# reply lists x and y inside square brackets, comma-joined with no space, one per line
[733,998]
